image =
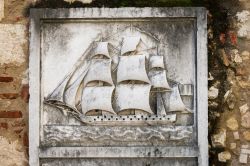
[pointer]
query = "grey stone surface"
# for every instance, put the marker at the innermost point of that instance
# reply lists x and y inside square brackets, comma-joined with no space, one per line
[58,40]
[120,162]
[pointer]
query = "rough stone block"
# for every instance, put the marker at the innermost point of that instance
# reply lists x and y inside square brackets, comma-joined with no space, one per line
[245,120]
[236,135]
[246,135]
[232,124]
[219,139]
[1,9]
[12,43]
[243,158]
[83,1]
[224,156]
[244,108]
[4,125]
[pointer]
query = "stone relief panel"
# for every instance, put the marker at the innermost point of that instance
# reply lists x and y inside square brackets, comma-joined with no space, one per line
[118,80]
[124,77]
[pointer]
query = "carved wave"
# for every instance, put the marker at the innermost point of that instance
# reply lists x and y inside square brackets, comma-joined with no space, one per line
[54,135]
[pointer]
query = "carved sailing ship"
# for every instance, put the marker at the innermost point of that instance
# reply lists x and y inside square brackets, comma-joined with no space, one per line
[129,93]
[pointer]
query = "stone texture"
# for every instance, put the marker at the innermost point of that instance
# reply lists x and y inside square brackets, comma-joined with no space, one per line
[243,109]
[11,153]
[224,156]
[1,9]
[224,57]
[236,135]
[232,123]
[233,146]
[243,18]
[213,92]
[219,140]
[243,158]
[245,120]
[245,55]
[83,1]
[246,135]
[12,43]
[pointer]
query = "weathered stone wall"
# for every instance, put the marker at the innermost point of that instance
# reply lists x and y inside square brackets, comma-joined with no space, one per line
[229,81]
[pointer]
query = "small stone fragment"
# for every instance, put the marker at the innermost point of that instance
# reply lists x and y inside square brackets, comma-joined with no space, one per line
[232,124]
[224,156]
[236,135]
[237,58]
[245,120]
[243,158]
[244,146]
[219,140]
[245,151]
[1,9]
[210,77]
[213,104]
[243,109]
[224,57]
[213,92]
[231,101]
[227,94]
[245,55]
[246,135]
[233,146]
[83,1]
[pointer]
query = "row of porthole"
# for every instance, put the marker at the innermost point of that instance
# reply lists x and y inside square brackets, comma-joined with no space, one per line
[130,119]
[149,116]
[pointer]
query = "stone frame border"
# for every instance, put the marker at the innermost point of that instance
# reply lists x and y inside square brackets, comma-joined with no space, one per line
[38,15]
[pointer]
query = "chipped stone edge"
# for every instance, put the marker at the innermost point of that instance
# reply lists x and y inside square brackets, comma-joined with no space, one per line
[38,15]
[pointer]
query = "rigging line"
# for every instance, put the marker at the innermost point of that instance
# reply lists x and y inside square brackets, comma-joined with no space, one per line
[148,47]
[176,82]
[119,31]
[77,64]
[165,107]
[147,33]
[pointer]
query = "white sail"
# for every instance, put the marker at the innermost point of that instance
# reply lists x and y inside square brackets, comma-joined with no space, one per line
[97,98]
[57,94]
[156,61]
[101,49]
[71,95]
[135,96]
[158,79]
[130,44]
[100,70]
[132,68]
[175,101]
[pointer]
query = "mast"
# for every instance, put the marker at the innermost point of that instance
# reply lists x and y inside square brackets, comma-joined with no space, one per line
[98,97]
[72,94]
